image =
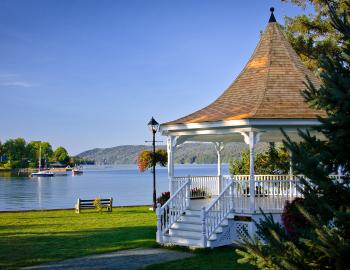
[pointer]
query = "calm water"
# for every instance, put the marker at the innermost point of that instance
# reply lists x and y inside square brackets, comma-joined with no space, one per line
[124,183]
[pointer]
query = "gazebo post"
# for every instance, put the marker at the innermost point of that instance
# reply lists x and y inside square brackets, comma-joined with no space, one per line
[290,165]
[171,142]
[252,141]
[219,146]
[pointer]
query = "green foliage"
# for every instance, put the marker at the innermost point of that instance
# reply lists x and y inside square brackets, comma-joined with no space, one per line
[98,205]
[33,152]
[269,162]
[313,35]
[81,161]
[326,243]
[17,153]
[61,155]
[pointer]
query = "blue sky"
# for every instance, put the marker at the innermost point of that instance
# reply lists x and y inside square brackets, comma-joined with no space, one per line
[86,74]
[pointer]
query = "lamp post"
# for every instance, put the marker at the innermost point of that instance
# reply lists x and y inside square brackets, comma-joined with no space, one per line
[153,126]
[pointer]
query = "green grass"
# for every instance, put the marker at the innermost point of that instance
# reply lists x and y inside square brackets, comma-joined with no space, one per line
[28,238]
[223,258]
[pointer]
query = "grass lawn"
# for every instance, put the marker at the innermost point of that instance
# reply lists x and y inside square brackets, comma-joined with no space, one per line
[224,258]
[28,238]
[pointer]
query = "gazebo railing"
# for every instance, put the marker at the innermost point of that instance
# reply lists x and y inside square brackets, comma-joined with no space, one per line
[200,186]
[271,192]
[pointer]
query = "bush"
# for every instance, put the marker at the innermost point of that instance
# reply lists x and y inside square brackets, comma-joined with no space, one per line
[98,204]
[163,198]
[293,220]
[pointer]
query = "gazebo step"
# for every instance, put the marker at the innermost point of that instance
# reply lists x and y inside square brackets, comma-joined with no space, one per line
[187,225]
[191,233]
[183,241]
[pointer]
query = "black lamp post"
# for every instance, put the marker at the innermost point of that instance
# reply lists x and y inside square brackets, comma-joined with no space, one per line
[153,126]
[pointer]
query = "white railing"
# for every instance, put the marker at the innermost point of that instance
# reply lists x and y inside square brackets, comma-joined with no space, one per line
[220,208]
[200,186]
[170,212]
[241,192]
[273,191]
[270,192]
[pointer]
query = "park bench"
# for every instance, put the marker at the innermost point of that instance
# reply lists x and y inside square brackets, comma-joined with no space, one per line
[89,204]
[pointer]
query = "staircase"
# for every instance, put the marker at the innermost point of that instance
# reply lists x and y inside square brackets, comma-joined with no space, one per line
[197,223]
[188,229]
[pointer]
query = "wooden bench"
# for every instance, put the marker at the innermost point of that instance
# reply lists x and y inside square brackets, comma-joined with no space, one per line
[89,204]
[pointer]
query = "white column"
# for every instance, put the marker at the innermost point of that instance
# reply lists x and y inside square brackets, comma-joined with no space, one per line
[171,142]
[219,146]
[159,238]
[252,141]
[290,165]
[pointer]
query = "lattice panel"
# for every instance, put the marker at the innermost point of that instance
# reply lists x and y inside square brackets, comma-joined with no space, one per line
[241,228]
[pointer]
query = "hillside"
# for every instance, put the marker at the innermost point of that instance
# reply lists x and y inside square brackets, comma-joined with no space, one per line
[200,153]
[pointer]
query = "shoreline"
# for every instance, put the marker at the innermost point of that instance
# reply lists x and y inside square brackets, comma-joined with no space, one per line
[63,209]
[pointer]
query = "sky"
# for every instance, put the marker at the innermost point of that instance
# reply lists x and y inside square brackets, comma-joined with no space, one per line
[90,74]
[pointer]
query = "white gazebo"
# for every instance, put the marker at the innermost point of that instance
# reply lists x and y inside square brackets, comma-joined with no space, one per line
[264,98]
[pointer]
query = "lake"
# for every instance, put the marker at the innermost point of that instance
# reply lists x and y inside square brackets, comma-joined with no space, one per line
[124,183]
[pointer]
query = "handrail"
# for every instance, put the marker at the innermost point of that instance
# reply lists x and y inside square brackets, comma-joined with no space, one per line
[219,209]
[170,212]
[175,194]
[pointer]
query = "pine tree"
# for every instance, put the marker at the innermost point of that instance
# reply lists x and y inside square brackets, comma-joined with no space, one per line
[326,244]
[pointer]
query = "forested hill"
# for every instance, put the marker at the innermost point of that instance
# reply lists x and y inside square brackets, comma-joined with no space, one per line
[187,153]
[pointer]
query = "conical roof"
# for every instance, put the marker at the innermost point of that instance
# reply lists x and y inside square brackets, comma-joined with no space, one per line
[269,86]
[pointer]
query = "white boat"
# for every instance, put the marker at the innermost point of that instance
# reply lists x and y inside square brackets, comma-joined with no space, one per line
[77,170]
[41,173]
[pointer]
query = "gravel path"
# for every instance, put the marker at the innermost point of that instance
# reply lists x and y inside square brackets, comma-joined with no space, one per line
[130,259]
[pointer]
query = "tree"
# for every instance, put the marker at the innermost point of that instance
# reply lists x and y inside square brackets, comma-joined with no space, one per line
[1,152]
[313,35]
[61,155]
[15,152]
[325,244]
[33,149]
[145,159]
[274,160]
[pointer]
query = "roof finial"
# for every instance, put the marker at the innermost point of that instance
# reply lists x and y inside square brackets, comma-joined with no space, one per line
[272,17]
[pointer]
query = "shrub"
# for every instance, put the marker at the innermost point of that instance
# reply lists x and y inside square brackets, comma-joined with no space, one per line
[98,204]
[293,220]
[163,198]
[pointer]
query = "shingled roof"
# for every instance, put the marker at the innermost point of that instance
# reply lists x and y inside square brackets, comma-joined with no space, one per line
[269,86]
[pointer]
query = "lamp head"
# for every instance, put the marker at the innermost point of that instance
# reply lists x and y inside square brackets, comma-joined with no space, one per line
[153,125]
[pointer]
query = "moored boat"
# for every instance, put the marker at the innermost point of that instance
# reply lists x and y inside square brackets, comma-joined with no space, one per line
[42,174]
[77,170]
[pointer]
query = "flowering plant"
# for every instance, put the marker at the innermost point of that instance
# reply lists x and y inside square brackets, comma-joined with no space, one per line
[293,220]
[163,198]
[145,159]
[198,192]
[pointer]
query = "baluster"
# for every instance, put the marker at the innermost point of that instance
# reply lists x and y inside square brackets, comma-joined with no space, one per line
[204,232]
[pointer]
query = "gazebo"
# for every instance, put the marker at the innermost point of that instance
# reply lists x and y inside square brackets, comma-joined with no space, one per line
[264,98]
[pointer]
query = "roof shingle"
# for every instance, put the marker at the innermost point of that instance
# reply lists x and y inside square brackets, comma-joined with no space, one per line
[269,86]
